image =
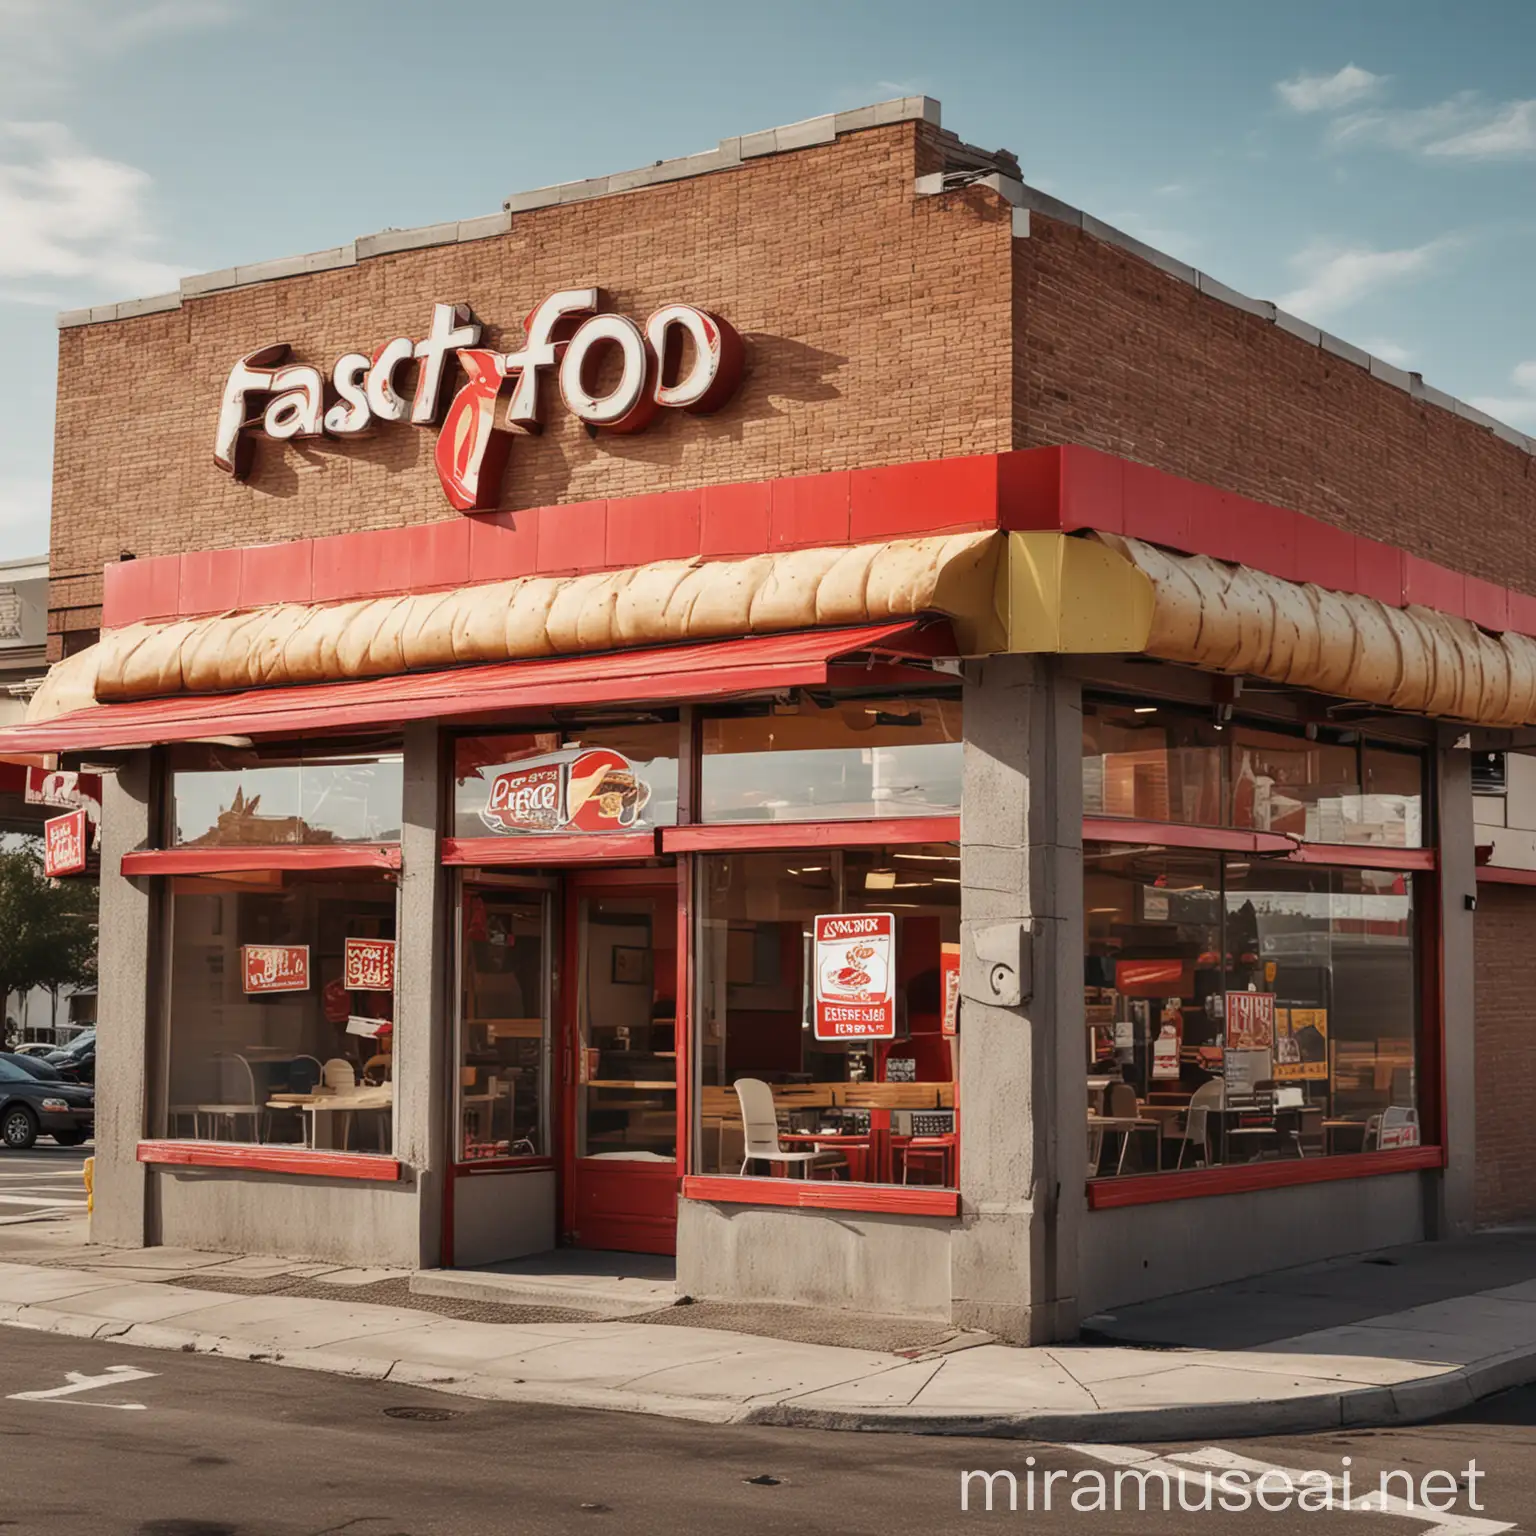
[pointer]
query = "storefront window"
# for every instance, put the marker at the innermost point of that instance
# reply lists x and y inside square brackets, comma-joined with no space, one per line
[826,759]
[226,797]
[504,1029]
[569,778]
[1143,762]
[827,984]
[1154,762]
[282,1008]
[1240,1010]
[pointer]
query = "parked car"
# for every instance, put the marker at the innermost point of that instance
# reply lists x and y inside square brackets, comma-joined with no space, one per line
[44,1071]
[29,1106]
[77,1060]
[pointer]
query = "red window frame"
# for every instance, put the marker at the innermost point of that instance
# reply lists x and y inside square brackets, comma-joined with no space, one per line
[1424,863]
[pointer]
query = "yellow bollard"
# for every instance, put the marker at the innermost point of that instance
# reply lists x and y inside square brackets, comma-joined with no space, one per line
[88,1173]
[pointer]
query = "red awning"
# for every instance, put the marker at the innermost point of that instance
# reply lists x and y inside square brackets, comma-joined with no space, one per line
[660,674]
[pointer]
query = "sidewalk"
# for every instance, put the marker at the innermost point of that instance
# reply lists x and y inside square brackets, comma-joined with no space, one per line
[1464,1326]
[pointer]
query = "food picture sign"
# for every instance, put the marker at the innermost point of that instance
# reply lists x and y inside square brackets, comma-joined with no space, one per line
[597,790]
[64,845]
[368,965]
[856,976]
[613,374]
[275,967]
[1250,1021]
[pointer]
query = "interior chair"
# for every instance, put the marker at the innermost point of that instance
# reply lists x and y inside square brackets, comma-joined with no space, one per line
[1194,1127]
[338,1073]
[304,1074]
[1121,1103]
[237,1098]
[760,1126]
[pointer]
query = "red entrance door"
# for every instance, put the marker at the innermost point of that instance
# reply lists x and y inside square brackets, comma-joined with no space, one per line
[620,1064]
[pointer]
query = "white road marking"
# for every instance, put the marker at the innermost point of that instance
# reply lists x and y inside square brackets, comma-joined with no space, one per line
[77,1382]
[1217,1458]
[36,1200]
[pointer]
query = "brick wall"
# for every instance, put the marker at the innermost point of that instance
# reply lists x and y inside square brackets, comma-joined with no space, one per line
[877,326]
[1506,1054]
[1118,355]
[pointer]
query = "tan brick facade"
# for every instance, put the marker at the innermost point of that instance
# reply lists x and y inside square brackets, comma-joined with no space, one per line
[876,324]
[1506,1053]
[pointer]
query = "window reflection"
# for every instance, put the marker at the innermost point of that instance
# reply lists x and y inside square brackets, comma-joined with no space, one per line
[233,799]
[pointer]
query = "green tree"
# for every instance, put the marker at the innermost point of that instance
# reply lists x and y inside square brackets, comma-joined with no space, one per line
[47,927]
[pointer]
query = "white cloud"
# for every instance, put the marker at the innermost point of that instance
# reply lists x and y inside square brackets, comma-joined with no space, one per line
[72,223]
[1462,127]
[1388,351]
[1334,277]
[1519,409]
[1329,93]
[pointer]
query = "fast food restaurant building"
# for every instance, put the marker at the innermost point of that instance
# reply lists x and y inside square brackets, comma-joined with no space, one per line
[810,707]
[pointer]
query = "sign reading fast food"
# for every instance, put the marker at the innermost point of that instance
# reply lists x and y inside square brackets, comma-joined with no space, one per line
[274,967]
[855,977]
[614,375]
[64,845]
[368,965]
[597,790]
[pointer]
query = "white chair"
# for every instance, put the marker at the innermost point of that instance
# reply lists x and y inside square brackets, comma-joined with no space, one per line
[1196,1127]
[760,1127]
[337,1073]
[237,1099]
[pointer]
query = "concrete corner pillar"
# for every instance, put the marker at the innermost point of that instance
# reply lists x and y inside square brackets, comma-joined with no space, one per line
[1450,1195]
[421,1040]
[123,1032]
[1023,1153]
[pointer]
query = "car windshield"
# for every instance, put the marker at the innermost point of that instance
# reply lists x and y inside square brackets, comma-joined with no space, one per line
[11,1073]
[78,1047]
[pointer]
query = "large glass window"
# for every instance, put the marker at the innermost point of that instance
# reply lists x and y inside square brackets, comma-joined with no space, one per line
[832,759]
[226,797]
[566,778]
[1244,1009]
[1155,762]
[281,1008]
[827,982]
[504,1023]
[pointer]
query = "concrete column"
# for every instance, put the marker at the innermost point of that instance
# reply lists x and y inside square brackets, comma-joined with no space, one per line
[123,1008]
[1450,1196]
[1023,1148]
[421,1041]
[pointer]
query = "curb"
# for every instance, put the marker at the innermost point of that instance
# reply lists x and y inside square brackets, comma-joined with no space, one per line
[1410,1402]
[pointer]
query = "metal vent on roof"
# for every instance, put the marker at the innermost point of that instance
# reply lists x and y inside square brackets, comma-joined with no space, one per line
[1490,773]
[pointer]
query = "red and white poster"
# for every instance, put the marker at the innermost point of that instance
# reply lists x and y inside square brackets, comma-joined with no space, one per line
[275,967]
[1397,1136]
[949,969]
[856,976]
[64,845]
[1250,1021]
[597,790]
[1170,1038]
[369,965]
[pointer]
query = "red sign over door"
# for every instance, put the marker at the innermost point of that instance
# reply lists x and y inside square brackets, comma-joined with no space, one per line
[64,845]
[856,976]
[369,965]
[275,967]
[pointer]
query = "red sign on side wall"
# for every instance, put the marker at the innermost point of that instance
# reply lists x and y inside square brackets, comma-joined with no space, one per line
[856,976]
[64,845]
[369,965]
[275,967]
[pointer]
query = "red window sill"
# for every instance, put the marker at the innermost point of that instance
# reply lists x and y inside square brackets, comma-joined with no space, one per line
[1247,1178]
[503,1165]
[206,861]
[552,848]
[823,1195]
[1166,834]
[300,1160]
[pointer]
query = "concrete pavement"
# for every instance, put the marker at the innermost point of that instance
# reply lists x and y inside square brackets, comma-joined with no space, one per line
[1390,1368]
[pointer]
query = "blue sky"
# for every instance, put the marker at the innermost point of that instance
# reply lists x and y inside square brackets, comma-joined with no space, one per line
[1368,165]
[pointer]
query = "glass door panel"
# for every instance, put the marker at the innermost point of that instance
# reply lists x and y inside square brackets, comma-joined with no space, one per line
[626,1034]
[503,1060]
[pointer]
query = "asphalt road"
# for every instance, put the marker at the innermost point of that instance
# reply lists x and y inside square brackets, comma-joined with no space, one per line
[230,1448]
[42,1183]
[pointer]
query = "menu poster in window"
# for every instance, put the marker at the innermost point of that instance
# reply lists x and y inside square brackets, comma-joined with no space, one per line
[368,965]
[1250,1021]
[1397,1136]
[275,967]
[1170,1036]
[64,845]
[1301,1045]
[855,976]
[1244,1070]
[949,969]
